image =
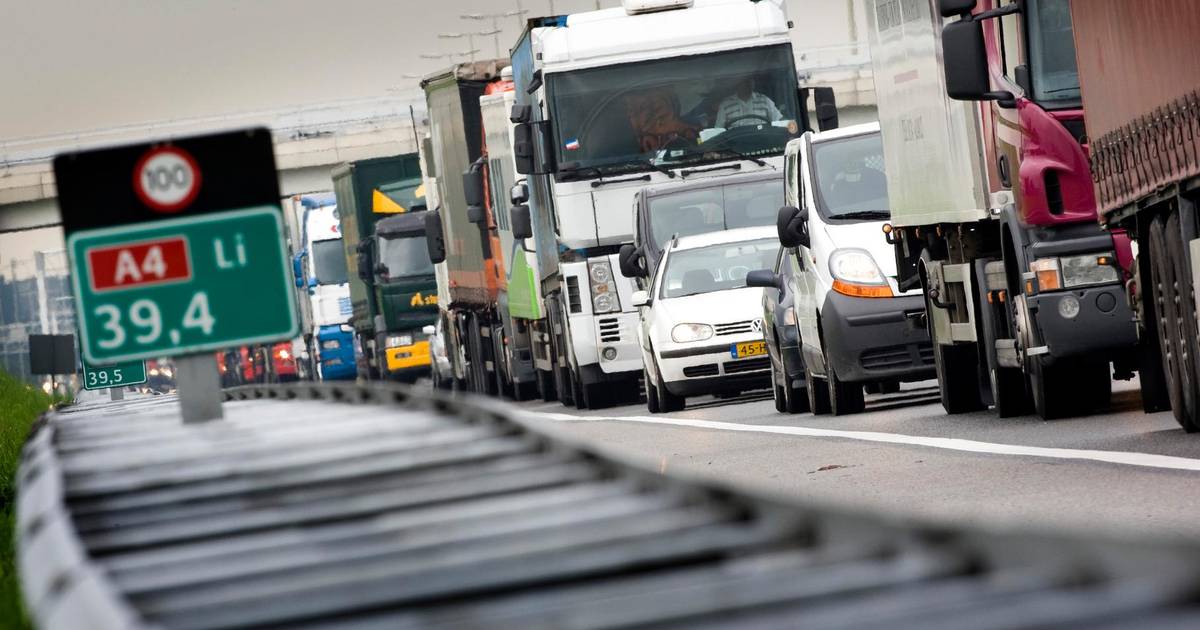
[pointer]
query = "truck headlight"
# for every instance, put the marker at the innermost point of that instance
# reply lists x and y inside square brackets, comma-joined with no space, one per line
[604,287]
[330,344]
[395,341]
[1088,269]
[856,274]
[684,333]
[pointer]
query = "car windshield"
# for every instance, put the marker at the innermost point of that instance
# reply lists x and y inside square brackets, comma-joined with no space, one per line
[405,257]
[714,208]
[716,267]
[671,112]
[1052,51]
[329,261]
[850,180]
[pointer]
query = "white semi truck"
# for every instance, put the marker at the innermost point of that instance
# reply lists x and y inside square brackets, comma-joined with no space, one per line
[608,102]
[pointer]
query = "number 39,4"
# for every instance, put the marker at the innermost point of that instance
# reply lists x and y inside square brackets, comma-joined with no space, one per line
[147,321]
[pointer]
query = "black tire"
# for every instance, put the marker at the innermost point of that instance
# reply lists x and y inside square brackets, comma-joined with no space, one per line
[579,392]
[545,386]
[651,393]
[524,391]
[1010,392]
[889,387]
[956,373]
[1187,334]
[1162,288]
[844,398]
[777,391]
[818,393]
[667,401]
[1070,388]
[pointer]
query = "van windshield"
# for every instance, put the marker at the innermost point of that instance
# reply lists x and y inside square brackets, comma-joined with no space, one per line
[850,180]
[713,208]
[329,261]
[716,267]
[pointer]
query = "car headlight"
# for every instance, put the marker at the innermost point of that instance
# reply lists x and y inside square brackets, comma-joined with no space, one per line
[331,344]
[395,341]
[684,333]
[789,316]
[604,288]
[855,273]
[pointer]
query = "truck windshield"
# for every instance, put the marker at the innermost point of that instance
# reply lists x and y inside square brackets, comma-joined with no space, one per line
[716,267]
[329,261]
[405,257]
[671,112]
[714,208]
[1052,52]
[850,180]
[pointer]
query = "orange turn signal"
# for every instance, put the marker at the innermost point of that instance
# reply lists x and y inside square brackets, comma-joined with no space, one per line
[1048,280]
[862,290]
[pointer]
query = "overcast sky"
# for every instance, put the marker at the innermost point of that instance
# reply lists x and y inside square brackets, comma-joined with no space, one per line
[76,65]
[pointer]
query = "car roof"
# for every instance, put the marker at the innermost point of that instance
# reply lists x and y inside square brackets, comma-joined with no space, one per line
[846,132]
[671,188]
[725,236]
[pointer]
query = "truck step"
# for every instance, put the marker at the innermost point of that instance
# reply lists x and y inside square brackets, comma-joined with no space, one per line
[1006,353]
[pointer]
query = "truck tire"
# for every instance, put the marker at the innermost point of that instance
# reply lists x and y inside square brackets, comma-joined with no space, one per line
[1069,388]
[818,393]
[957,369]
[1188,337]
[844,398]
[1177,374]
[581,392]
[545,385]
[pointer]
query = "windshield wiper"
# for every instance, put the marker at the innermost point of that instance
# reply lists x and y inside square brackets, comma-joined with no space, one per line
[687,172]
[748,158]
[863,214]
[661,169]
[578,171]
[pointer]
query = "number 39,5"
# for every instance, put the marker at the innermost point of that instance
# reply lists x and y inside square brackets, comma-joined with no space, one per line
[147,321]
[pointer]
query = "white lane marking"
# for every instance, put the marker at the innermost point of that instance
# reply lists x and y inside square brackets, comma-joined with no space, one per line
[1145,460]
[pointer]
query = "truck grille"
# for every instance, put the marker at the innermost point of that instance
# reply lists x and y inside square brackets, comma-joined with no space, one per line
[610,330]
[573,300]
[700,370]
[734,328]
[747,365]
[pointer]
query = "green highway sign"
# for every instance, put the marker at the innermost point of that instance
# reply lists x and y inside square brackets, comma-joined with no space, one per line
[115,375]
[183,285]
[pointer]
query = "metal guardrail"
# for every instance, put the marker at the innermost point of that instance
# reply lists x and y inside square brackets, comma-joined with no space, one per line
[377,506]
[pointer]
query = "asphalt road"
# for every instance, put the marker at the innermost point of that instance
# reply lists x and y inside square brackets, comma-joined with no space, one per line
[1122,473]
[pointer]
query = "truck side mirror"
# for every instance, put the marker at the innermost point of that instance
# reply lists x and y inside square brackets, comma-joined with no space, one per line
[519,193]
[629,259]
[476,214]
[298,269]
[826,105]
[434,238]
[522,223]
[473,186]
[792,226]
[966,64]
[523,148]
[951,8]
[381,270]
[639,298]
[362,262]
[764,278]
[312,283]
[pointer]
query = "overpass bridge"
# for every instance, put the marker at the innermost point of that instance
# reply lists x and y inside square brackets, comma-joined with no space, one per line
[309,141]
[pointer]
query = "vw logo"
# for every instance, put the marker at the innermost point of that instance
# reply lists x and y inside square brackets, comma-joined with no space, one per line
[756,325]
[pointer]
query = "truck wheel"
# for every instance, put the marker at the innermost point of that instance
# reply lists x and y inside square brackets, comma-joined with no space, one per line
[1187,335]
[1163,293]
[844,398]
[1069,388]
[957,369]
[1010,392]
[579,392]
[545,385]
[651,393]
[818,393]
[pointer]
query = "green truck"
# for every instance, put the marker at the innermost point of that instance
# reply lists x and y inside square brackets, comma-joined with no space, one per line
[393,291]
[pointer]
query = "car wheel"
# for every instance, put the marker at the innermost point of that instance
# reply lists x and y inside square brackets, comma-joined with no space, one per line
[844,398]
[778,391]
[666,400]
[651,393]
[818,393]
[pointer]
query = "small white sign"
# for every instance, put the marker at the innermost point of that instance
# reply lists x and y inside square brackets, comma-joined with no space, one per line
[166,179]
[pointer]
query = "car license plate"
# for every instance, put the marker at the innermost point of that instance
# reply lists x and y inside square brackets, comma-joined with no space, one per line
[748,349]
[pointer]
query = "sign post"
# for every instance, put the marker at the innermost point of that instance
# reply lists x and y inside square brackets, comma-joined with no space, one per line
[177,250]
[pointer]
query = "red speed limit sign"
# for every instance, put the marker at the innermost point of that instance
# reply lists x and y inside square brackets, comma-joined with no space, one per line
[166,179]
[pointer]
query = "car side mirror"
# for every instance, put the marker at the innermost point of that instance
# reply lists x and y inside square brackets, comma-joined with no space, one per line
[764,278]
[434,238]
[523,148]
[428,330]
[966,64]
[792,226]
[629,259]
[522,223]
[519,193]
[640,298]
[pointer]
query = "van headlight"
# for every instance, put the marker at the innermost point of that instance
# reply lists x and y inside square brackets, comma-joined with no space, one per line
[685,333]
[855,273]
[395,341]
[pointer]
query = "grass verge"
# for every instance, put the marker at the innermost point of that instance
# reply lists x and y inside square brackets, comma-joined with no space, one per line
[20,405]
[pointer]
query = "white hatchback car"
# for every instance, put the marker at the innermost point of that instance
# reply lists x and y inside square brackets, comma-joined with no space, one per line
[701,326]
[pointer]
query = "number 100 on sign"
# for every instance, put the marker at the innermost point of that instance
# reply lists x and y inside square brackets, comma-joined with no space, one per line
[182,285]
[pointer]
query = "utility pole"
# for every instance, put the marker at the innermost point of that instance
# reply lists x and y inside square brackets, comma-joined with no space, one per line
[495,18]
[470,36]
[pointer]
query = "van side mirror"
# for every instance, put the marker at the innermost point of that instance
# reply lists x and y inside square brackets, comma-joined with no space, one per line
[523,148]
[629,259]
[826,105]
[764,278]
[966,64]
[434,237]
[792,226]
[640,298]
[522,223]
